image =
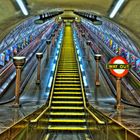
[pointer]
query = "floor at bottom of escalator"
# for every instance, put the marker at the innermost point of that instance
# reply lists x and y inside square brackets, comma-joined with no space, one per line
[67,136]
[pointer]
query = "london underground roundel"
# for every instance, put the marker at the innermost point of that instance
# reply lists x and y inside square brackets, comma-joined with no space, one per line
[118,66]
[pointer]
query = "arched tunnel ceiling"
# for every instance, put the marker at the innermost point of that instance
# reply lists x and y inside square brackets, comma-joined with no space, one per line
[97,5]
[128,17]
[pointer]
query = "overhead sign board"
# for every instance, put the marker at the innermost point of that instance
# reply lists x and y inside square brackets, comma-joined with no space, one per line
[38,21]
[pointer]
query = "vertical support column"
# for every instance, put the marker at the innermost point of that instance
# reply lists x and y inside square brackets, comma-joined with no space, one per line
[39,57]
[18,61]
[83,41]
[56,32]
[97,59]
[56,36]
[80,37]
[48,50]
[118,106]
[88,50]
[53,39]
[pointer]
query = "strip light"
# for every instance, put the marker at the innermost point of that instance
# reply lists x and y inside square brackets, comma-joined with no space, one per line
[85,81]
[22,7]
[50,82]
[56,57]
[116,8]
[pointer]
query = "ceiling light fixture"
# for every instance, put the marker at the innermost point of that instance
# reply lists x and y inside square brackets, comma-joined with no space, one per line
[22,7]
[116,8]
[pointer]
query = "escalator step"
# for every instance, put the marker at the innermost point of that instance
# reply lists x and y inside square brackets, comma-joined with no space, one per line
[67,120]
[67,74]
[68,93]
[67,66]
[68,60]
[67,89]
[67,82]
[67,107]
[63,71]
[67,113]
[67,78]
[67,69]
[67,128]
[67,97]
[67,86]
[71,84]
[67,102]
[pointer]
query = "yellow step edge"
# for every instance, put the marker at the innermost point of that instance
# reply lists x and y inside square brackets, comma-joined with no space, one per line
[68,85]
[66,56]
[67,120]
[74,128]
[67,102]
[78,93]
[67,107]
[66,88]
[67,77]
[68,113]
[66,69]
[69,82]
[67,74]
[67,64]
[77,78]
[69,71]
[67,61]
[67,97]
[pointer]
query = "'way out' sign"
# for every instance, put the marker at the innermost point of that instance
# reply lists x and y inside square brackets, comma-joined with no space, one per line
[118,66]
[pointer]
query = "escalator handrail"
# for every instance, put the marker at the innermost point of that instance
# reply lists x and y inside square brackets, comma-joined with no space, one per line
[51,95]
[84,99]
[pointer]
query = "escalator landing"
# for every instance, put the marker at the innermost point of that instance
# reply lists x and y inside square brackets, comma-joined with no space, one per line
[67,136]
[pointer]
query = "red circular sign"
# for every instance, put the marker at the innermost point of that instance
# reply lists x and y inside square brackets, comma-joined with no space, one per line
[118,60]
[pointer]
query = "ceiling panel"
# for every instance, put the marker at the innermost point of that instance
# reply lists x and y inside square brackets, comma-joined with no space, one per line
[100,6]
[129,17]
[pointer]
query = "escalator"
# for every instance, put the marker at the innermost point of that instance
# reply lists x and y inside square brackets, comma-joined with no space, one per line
[67,113]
